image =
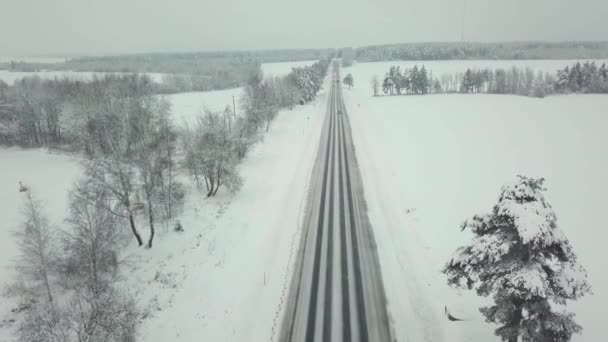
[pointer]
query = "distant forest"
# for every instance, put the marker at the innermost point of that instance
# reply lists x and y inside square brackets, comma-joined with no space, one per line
[511,50]
[195,71]
[203,71]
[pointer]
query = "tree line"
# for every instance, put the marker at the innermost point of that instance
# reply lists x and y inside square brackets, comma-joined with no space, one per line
[220,140]
[411,81]
[195,71]
[37,112]
[578,78]
[491,51]
[585,78]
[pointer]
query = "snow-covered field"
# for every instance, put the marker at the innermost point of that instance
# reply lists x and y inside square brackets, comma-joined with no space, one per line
[282,68]
[430,162]
[48,175]
[365,71]
[187,107]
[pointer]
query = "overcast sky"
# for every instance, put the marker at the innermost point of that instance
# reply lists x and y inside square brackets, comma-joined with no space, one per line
[124,26]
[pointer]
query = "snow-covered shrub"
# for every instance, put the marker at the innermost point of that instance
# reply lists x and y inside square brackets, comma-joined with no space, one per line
[521,258]
[212,153]
[90,314]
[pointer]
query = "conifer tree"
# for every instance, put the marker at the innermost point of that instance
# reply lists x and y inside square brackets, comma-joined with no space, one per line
[521,257]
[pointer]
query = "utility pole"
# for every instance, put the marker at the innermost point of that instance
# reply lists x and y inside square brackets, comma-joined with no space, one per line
[233,107]
[464,9]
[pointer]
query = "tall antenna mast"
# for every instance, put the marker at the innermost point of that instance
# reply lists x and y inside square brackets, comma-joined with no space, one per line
[464,10]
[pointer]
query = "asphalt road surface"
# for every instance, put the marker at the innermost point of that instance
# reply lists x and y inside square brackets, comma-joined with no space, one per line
[336,293]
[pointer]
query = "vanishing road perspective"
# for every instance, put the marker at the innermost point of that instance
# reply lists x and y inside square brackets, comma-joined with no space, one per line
[336,291]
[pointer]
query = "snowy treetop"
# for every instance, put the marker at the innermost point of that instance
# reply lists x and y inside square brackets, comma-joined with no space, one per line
[518,249]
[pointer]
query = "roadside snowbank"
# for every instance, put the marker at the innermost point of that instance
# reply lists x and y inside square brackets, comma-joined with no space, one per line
[227,274]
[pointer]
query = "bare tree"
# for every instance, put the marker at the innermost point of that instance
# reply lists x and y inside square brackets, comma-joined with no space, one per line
[153,141]
[116,176]
[93,237]
[171,191]
[349,81]
[212,153]
[90,314]
[101,315]
[35,244]
[375,82]
[44,323]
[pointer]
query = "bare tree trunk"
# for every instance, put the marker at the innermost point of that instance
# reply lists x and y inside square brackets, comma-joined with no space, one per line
[94,268]
[170,192]
[217,183]
[210,192]
[208,183]
[35,134]
[47,285]
[134,230]
[198,182]
[151,220]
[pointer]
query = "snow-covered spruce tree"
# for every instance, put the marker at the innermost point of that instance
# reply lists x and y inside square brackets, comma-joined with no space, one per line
[521,258]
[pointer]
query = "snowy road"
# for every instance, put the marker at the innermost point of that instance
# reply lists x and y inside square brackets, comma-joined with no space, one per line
[336,292]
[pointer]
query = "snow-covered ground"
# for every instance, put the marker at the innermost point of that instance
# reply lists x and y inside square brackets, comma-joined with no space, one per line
[225,277]
[48,176]
[430,162]
[187,107]
[231,267]
[365,71]
[283,68]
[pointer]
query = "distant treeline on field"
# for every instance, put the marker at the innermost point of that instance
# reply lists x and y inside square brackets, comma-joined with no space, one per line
[587,77]
[170,63]
[509,50]
[59,112]
[196,71]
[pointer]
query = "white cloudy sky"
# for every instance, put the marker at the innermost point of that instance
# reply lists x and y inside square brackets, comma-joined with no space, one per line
[123,26]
